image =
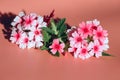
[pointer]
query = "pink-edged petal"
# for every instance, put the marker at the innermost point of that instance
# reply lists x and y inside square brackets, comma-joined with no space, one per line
[105,33]
[99,28]
[54,51]
[61,51]
[75,34]
[82,24]
[56,41]
[71,39]
[62,45]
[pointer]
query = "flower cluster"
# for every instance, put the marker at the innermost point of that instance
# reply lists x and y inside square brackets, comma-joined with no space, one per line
[26,30]
[89,39]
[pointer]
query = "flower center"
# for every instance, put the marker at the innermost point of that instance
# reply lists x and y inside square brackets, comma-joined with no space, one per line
[28,21]
[94,27]
[99,34]
[79,39]
[57,46]
[96,48]
[85,30]
[17,36]
[26,40]
[37,32]
[83,51]
[75,49]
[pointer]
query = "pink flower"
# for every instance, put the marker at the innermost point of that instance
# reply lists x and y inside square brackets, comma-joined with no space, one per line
[76,39]
[83,53]
[97,49]
[99,33]
[88,40]
[56,46]
[84,29]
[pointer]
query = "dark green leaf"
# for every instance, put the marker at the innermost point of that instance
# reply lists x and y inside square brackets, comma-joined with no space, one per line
[62,29]
[44,48]
[105,54]
[46,36]
[48,30]
[60,23]
[57,54]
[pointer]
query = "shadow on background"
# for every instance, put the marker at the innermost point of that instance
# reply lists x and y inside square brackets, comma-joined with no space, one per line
[5,20]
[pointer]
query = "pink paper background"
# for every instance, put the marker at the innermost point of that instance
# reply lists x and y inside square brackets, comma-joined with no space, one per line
[18,64]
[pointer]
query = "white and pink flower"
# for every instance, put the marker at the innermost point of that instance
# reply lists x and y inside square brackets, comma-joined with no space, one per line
[26,31]
[84,29]
[15,35]
[83,53]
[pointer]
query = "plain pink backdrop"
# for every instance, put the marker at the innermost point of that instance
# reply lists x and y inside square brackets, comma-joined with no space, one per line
[18,64]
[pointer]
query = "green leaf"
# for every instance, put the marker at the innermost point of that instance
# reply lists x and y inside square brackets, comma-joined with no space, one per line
[62,29]
[46,36]
[105,54]
[53,25]
[44,48]
[48,30]
[63,37]
[60,23]
[57,54]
